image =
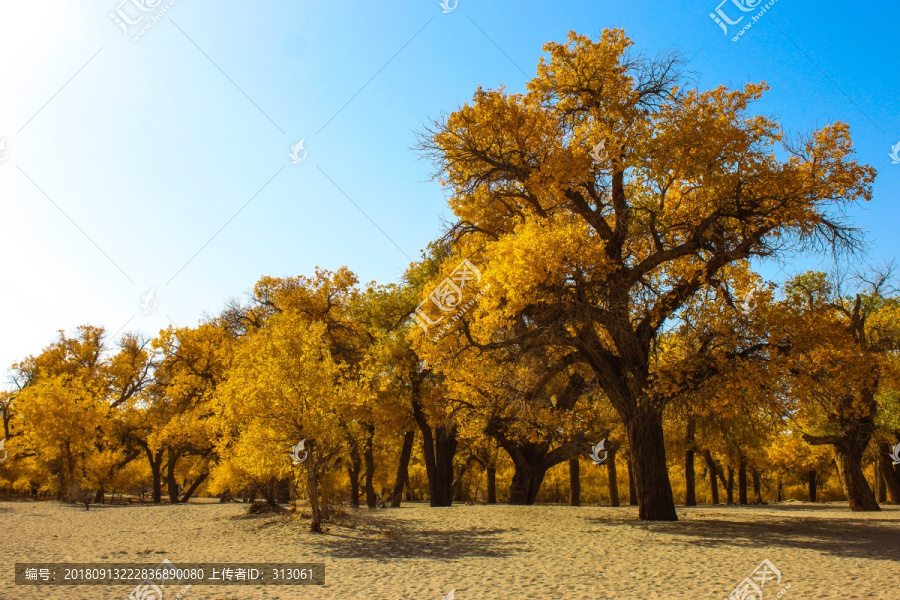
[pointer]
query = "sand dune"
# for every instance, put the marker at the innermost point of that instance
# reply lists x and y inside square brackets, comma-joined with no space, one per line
[483,552]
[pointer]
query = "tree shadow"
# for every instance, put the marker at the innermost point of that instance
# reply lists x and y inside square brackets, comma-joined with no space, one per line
[401,541]
[847,537]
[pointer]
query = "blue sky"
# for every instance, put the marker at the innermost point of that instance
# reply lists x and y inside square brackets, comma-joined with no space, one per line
[163,164]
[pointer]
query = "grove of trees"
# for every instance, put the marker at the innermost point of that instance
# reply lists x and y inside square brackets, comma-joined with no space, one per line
[596,283]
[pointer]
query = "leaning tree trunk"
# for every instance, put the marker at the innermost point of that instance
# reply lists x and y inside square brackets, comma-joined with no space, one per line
[648,449]
[729,486]
[891,478]
[402,468]
[848,454]
[491,485]
[612,482]
[574,482]
[193,488]
[712,469]
[368,454]
[690,480]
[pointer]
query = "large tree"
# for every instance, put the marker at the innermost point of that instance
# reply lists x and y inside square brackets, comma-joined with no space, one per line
[605,197]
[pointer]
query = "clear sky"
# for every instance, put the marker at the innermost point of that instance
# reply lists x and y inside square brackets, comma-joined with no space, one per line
[163,164]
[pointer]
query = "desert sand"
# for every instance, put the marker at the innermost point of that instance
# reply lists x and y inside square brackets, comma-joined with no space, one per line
[482,552]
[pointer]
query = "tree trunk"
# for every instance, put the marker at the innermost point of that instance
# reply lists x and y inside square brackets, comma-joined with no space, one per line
[439,447]
[612,480]
[526,482]
[312,489]
[690,482]
[172,459]
[353,470]
[402,468]
[632,494]
[891,478]
[492,485]
[757,486]
[848,453]
[100,497]
[729,486]
[156,472]
[811,485]
[742,483]
[574,483]
[880,490]
[371,498]
[647,443]
[712,470]
[193,488]
[778,489]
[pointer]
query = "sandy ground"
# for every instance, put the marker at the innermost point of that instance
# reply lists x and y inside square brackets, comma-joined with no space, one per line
[483,552]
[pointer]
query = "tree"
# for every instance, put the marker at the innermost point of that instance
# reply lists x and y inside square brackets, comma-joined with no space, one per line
[608,195]
[285,387]
[841,351]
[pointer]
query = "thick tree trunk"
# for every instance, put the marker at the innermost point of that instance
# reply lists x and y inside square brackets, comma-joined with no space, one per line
[848,453]
[891,478]
[353,470]
[491,485]
[811,485]
[646,440]
[526,482]
[712,470]
[439,447]
[742,483]
[612,481]
[632,494]
[100,496]
[574,483]
[369,455]
[403,468]
[757,486]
